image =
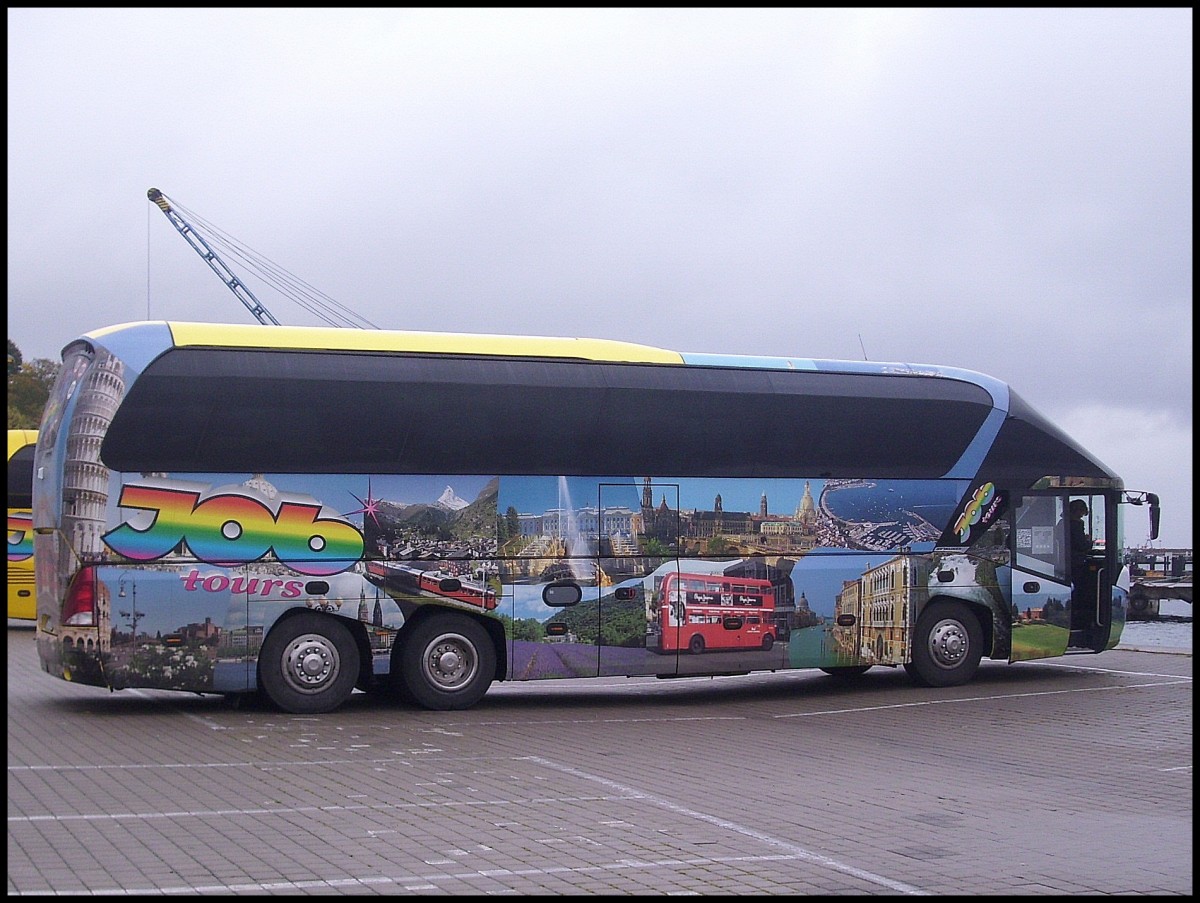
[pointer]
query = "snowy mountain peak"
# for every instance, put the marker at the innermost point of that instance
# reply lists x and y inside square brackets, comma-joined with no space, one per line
[450,501]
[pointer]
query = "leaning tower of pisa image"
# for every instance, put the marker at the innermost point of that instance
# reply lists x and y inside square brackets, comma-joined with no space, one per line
[85,479]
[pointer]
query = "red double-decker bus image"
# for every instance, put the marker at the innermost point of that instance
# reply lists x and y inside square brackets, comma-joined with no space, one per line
[711,612]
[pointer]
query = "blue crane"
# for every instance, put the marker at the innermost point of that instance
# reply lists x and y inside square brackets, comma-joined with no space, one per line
[202,248]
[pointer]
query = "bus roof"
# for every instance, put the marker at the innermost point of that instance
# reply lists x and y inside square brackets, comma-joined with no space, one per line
[842,418]
[327,338]
[18,439]
[138,343]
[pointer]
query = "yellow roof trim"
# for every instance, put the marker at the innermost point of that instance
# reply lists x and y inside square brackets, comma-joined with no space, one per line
[18,439]
[334,339]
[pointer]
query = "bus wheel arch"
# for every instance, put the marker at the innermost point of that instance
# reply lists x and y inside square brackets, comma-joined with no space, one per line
[366,670]
[445,660]
[309,663]
[947,644]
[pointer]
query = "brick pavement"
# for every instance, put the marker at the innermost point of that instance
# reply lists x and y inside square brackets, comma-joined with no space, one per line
[1067,776]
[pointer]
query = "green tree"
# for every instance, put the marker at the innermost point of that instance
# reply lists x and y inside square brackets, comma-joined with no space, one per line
[14,358]
[527,629]
[509,526]
[29,385]
[654,548]
[719,545]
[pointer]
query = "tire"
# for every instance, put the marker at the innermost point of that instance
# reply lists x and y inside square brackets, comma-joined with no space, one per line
[1139,604]
[447,662]
[767,642]
[696,645]
[846,672]
[308,664]
[947,645]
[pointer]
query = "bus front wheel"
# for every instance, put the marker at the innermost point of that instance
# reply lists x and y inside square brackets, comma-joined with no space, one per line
[447,662]
[308,664]
[947,645]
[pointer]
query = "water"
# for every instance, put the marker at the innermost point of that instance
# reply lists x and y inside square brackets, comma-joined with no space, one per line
[1172,630]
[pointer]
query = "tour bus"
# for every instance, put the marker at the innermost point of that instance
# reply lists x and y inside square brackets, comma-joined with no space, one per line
[213,504]
[20,524]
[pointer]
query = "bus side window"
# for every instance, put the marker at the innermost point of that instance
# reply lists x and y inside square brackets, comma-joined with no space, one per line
[1041,536]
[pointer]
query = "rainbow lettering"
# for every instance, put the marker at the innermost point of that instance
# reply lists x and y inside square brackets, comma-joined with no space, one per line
[20,535]
[971,514]
[234,528]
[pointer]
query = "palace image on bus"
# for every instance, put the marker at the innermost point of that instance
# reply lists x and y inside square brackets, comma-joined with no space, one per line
[301,513]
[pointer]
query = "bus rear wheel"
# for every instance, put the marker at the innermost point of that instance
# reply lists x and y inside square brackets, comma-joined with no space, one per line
[308,664]
[447,662]
[947,645]
[696,645]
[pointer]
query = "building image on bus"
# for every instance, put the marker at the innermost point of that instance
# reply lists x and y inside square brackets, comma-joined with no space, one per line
[21,445]
[706,613]
[304,512]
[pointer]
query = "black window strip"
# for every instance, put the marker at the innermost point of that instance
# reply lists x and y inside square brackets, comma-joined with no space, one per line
[196,410]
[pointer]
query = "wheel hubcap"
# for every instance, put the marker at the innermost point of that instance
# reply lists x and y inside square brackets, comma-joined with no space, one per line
[450,662]
[948,644]
[311,663]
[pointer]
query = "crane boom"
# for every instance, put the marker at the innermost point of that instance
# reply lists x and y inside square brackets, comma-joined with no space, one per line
[200,246]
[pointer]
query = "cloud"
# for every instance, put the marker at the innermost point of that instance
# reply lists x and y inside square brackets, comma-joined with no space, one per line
[1151,449]
[1002,190]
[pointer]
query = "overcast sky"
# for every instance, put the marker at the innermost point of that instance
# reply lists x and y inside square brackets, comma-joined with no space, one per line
[1008,191]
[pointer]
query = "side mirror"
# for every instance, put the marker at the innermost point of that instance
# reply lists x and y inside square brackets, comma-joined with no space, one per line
[1147,498]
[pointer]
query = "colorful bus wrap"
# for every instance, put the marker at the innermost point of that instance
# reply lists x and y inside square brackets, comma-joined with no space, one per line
[21,605]
[303,512]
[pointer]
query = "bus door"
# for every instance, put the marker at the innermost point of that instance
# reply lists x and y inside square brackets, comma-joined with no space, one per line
[1062,599]
[637,545]
[1092,536]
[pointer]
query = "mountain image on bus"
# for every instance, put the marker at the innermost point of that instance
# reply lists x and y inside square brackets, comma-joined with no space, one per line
[302,513]
[21,444]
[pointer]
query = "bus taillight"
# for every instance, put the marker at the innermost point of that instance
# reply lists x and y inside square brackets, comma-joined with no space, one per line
[79,608]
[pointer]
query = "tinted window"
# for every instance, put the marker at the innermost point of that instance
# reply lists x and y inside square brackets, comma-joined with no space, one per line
[20,478]
[1028,447]
[229,410]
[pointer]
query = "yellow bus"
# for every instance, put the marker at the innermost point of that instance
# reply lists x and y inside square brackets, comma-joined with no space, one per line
[302,512]
[21,445]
